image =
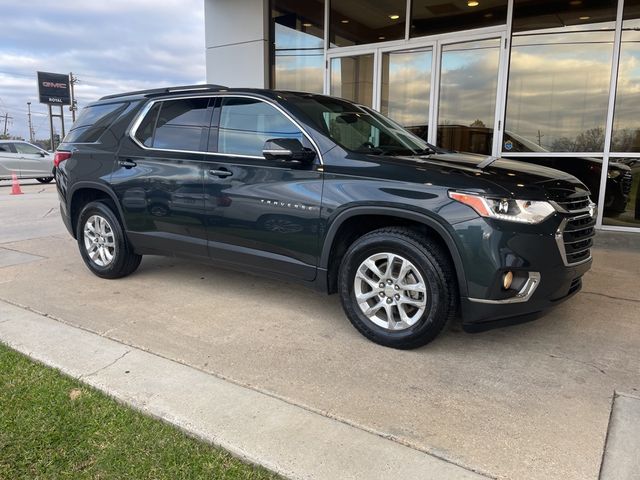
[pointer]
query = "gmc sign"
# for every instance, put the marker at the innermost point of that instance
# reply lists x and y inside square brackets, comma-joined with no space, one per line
[53,88]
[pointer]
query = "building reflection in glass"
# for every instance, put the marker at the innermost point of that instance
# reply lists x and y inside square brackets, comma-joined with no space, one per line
[406,86]
[298,47]
[468,82]
[352,78]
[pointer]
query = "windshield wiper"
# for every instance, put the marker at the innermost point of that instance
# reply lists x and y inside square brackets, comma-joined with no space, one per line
[487,161]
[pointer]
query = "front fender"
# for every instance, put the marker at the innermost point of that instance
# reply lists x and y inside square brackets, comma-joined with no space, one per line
[423,218]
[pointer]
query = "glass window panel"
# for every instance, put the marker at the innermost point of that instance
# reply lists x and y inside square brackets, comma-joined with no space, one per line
[622,198]
[429,17]
[558,88]
[626,122]
[298,48]
[366,21]
[144,133]
[246,124]
[352,78]
[93,121]
[406,85]
[468,82]
[180,124]
[529,15]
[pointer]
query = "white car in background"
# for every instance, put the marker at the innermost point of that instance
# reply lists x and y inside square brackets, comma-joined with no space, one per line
[25,160]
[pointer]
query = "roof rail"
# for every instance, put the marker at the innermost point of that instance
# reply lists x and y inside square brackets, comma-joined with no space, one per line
[159,91]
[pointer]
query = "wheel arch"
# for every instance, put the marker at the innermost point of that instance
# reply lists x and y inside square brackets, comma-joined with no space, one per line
[393,216]
[85,192]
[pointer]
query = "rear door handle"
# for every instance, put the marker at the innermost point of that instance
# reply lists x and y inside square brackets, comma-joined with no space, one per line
[128,163]
[223,172]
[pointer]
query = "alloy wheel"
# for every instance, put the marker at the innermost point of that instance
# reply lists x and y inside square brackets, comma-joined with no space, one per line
[390,291]
[99,240]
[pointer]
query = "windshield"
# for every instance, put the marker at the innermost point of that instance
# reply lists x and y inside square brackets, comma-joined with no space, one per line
[359,129]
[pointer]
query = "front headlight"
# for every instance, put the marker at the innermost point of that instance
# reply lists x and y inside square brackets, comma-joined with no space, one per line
[509,209]
[613,173]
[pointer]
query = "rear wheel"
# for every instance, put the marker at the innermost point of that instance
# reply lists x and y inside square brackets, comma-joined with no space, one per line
[397,287]
[45,179]
[102,243]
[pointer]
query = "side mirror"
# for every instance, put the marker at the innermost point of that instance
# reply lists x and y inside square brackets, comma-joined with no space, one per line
[287,149]
[42,154]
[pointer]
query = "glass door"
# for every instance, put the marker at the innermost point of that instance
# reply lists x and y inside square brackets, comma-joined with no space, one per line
[468,86]
[406,88]
[447,91]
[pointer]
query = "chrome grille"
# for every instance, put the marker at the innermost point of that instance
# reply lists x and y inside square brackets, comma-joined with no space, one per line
[574,204]
[575,238]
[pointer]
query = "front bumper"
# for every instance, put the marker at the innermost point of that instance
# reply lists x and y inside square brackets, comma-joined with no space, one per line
[489,249]
[553,289]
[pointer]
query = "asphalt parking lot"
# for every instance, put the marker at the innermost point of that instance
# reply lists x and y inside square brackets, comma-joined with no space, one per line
[530,401]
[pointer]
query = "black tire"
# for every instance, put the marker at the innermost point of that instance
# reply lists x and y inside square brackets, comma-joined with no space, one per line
[124,261]
[433,265]
[45,179]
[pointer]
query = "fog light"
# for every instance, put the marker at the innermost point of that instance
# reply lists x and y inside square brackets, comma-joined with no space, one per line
[507,278]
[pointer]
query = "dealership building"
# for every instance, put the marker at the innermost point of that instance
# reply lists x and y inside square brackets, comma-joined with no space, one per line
[551,82]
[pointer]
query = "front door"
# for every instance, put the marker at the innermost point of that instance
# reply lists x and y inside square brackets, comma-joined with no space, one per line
[158,177]
[33,161]
[261,213]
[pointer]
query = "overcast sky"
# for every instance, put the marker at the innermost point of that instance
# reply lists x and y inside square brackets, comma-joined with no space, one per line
[111,46]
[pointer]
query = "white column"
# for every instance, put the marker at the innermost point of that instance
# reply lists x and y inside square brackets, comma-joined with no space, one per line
[237,42]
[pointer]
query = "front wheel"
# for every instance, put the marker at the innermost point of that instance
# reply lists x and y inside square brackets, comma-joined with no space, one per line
[397,287]
[45,179]
[102,243]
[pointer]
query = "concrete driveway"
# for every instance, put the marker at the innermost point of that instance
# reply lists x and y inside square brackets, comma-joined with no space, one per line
[531,401]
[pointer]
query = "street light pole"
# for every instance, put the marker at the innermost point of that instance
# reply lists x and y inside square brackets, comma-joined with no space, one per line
[30,125]
[74,105]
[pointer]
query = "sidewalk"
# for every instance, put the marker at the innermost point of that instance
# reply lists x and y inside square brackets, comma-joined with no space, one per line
[256,427]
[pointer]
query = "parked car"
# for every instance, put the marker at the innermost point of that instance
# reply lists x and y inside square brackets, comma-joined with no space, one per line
[587,169]
[25,160]
[326,193]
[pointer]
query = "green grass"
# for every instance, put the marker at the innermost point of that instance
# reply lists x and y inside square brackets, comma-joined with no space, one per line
[54,427]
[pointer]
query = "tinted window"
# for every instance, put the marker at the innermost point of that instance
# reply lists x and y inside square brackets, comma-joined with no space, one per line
[93,121]
[5,147]
[144,133]
[429,17]
[182,124]
[245,124]
[27,149]
[366,21]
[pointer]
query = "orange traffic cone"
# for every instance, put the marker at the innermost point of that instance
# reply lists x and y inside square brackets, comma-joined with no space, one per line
[15,185]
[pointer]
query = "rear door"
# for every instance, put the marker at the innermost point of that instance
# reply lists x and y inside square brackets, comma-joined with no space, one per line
[159,177]
[261,213]
[34,163]
[9,160]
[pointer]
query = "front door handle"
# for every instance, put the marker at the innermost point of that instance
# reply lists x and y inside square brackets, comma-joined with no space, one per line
[128,163]
[221,173]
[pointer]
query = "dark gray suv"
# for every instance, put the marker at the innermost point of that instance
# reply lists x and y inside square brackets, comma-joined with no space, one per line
[328,193]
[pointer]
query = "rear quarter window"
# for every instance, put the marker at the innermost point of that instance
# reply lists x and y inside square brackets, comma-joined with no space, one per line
[93,121]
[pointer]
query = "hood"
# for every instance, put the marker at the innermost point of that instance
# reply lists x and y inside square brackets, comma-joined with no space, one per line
[501,177]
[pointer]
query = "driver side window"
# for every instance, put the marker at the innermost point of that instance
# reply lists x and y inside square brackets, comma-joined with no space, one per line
[246,124]
[27,149]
